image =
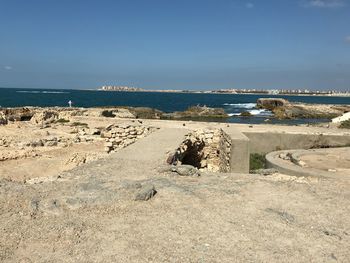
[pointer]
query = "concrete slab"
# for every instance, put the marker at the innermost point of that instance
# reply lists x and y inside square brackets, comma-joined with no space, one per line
[239,150]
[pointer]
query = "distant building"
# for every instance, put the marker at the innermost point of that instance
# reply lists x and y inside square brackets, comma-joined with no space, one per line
[119,88]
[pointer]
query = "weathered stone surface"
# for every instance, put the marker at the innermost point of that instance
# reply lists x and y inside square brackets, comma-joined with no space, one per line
[44,117]
[271,103]
[119,136]
[264,172]
[205,149]
[37,143]
[145,193]
[185,170]
[3,119]
[284,109]
[196,112]
[18,114]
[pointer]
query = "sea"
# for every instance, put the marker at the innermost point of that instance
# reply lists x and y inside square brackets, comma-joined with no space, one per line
[233,104]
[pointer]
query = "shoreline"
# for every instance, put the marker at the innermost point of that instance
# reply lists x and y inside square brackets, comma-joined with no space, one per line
[342,95]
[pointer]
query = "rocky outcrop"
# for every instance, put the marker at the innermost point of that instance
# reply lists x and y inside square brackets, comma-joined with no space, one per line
[3,118]
[271,103]
[198,112]
[284,109]
[44,117]
[145,112]
[206,150]
[17,114]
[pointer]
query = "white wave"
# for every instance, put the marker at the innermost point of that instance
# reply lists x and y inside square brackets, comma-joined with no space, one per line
[25,91]
[241,105]
[254,112]
[55,92]
[45,92]
[261,112]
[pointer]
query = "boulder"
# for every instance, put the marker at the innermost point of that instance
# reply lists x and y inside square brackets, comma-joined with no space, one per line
[19,114]
[44,117]
[3,119]
[145,193]
[185,170]
[271,103]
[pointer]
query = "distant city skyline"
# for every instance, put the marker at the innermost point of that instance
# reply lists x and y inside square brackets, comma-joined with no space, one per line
[183,44]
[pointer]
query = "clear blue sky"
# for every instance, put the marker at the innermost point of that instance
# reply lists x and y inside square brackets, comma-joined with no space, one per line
[175,44]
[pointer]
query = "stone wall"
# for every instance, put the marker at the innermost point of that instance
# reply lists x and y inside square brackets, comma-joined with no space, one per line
[205,149]
[120,136]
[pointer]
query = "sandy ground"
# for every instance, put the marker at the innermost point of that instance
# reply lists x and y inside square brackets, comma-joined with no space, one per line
[89,213]
[335,160]
[26,162]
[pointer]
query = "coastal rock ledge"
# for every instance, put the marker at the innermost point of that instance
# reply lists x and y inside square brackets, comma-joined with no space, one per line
[283,109]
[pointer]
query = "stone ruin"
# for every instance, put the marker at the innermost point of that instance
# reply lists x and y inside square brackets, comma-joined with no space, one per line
[120,136]
[207,150]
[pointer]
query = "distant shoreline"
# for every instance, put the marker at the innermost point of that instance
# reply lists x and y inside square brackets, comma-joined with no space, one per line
[226,93]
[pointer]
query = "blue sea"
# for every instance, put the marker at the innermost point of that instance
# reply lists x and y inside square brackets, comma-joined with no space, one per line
[233,104]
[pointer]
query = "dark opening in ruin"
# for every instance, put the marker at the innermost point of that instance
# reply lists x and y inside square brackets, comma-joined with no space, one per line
[193,154]
[26,117]
[108,114]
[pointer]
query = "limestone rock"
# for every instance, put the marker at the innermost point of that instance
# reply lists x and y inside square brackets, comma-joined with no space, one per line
[36,143]
[145,193]
[3,119]
[271,103]
[44,117]
[185,170]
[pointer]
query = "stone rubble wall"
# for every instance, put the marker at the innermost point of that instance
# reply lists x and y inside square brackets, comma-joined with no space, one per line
[210,150]
[120,136]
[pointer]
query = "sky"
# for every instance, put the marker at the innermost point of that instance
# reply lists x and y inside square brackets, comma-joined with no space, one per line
[175,44]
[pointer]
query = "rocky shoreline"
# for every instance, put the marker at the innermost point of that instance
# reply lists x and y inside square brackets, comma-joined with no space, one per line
[43,116]
[284,109]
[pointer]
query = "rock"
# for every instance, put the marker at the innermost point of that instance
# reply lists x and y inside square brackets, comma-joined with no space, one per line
[123,113]
[145,193]
[108,144]
[3,119]
[264,172]
[77,159]
[44,117]
[285,156]
[284,109]
[36,143]
[271,103]
[109,127]
[18,114]
[245,114]
[197,112]
[50,143]
[82,133]
[74,130]
[185,170]
[108,149]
